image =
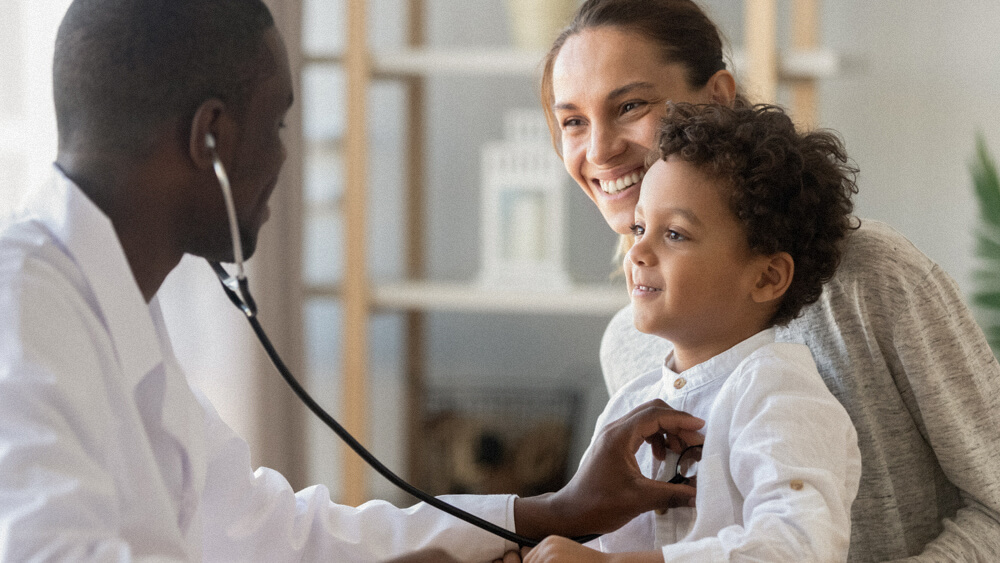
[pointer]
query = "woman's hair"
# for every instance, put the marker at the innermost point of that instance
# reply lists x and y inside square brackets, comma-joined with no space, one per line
[680,28]
[790,191]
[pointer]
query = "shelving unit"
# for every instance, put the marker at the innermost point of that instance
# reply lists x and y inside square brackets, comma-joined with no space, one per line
[761,65]
[468,298]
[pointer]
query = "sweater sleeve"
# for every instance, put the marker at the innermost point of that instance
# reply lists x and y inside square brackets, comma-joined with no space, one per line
[950,382]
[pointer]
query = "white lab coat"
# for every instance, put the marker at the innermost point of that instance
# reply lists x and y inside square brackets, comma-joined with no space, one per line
[780,466]
[106,453]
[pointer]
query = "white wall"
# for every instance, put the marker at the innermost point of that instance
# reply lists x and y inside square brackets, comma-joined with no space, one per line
[928,77]
[27,119]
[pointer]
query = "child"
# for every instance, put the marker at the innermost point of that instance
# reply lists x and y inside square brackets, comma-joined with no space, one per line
[736,229]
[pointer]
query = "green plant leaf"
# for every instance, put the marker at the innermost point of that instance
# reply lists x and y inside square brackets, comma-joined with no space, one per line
[986,183]
[991,300]
[986,294]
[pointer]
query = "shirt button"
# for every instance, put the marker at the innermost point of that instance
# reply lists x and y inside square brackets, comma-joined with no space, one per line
[796,484]
[679,382]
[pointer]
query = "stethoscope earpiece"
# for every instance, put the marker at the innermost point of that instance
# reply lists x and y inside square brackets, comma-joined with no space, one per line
[227,194]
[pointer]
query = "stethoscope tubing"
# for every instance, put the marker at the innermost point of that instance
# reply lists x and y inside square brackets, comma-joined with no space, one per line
[369,458]
[238,290]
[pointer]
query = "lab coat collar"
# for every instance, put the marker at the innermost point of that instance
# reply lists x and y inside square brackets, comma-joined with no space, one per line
[90,240]
[720,365]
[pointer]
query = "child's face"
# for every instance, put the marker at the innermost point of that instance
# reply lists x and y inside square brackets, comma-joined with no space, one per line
[691,272]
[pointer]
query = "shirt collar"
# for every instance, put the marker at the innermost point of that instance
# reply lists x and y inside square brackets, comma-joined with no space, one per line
[718,366]
[90,240]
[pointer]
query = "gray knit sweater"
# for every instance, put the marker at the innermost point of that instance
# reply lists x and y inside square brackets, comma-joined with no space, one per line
[898,347]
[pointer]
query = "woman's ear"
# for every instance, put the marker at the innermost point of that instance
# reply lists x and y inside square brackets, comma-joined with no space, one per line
[775,278]
[722,87]
[208,132]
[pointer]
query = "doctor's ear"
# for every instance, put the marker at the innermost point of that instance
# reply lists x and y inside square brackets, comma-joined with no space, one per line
[212,129]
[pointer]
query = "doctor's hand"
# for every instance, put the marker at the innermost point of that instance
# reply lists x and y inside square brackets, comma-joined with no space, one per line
[609,489]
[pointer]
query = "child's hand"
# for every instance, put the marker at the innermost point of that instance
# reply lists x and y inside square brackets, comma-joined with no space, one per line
[513,556]
[426,556]
[609,489]
[554,549]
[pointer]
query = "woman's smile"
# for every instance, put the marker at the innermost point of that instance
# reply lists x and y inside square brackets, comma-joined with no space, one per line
[619,184]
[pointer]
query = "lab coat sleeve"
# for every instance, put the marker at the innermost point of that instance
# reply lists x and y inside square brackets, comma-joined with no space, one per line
[57,498]
[257,516]
[795,462]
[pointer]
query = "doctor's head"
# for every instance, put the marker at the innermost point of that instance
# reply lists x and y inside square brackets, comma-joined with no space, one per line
[139,85]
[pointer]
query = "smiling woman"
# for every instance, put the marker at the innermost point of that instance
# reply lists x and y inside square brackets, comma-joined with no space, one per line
[603,126]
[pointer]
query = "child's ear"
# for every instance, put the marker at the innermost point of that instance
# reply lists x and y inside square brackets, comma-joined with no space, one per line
[775,277]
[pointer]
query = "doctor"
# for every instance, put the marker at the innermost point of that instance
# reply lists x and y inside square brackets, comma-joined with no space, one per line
[106,453]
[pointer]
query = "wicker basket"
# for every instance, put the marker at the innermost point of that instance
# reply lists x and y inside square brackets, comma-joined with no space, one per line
[490,441]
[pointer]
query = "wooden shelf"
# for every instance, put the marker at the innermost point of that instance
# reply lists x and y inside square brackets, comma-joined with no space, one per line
[577,300]
[465,62]
[793,64]
[582,300]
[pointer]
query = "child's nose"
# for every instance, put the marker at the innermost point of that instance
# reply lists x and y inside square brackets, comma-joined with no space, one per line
[636,255]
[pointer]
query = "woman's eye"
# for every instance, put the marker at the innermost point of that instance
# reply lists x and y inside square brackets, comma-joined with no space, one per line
[629,106]
[571,122]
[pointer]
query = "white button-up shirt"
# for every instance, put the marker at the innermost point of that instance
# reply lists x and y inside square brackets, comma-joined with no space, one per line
[106,453]
[780,465]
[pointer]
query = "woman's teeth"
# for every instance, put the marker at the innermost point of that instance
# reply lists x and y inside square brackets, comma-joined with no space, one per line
[615,186]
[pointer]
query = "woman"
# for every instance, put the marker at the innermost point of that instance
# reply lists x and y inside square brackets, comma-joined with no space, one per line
[891,335]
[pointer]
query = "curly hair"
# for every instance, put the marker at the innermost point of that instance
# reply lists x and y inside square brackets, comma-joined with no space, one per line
[790,191]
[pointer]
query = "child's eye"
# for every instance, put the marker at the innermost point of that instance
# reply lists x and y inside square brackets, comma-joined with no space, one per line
[674,235]
[637,230]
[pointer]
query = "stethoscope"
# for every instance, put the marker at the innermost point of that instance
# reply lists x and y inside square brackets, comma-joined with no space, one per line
[238,289]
